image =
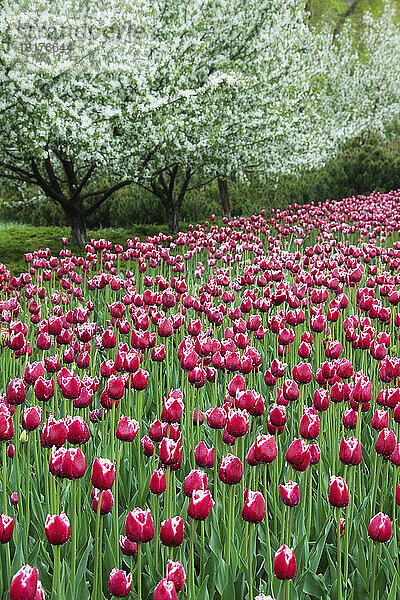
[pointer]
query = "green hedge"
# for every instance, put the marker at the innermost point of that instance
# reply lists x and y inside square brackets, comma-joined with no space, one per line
[363,165]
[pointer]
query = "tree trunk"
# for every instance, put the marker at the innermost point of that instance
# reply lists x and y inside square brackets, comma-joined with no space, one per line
[77,222]
[173,215]
[224,197]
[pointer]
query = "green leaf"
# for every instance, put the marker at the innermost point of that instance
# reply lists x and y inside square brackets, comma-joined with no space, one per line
[314,585]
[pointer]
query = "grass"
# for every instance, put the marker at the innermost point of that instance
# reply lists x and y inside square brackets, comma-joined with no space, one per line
[17,239]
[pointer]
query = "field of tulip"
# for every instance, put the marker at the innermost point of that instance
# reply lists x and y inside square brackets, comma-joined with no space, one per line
[208,417]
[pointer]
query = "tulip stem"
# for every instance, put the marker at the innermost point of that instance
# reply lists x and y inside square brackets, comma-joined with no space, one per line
[374,570]
[191,560]
[96,576]
[267,527]
[56,571]
[73,535]
[139,571]
[376,481]
[230,532]
[8,572]
[309,505]
[285,589]
[339,557]
[116,500]
[250,563]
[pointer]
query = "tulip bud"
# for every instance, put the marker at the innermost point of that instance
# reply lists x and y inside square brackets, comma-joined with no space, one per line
[200,505]
[107,501]
[196,480]
[380,528]
[338,492]
[165,590]
[171,532]
[139,526]
[285,563]
[127,547]
[176,573]
[231,469]
[254,507]
[6,528]
[119,583]
[290,493]
[350,451]
[103,473]
[158,483]
[57,529]
[24,584]
[385,442]
[127,429]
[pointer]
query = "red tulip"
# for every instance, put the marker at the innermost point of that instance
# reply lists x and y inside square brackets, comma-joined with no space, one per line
[254,507]
[127,429]
[176,573]
[231,469]
[139,526]
[107,501]
[165,590]
[200,505]
[171,532]
[350,451]
[119,583]
[380,528]
[127,547]
[57,529]
[24,584]
[158,483]
[103,473]
[196,480]
[338,492]
[285,563]
[290,493]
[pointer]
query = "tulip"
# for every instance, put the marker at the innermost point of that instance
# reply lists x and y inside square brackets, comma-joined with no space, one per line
[57,529]
[6,528]
[171,532]
[31,418]
[107,501]
[196,480]
[204,456]
[176,573]
[200,505]
[385,442]
[238,423]
[231,469]
[103,473]
[298,455]
[127,429]
[24,584]
[139,526]
[350,451]
[127,547]
[338,492]
[165,590]
[77,430]
[290,493]
[119,583]
[285,563]
[158,483]
[380,528]
[254,507]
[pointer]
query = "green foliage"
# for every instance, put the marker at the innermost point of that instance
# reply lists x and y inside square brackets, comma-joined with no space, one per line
[362,166]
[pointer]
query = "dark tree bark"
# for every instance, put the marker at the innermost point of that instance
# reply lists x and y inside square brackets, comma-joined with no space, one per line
[65,187]
[78,230]
[349,12]
[224,197]
[171,188]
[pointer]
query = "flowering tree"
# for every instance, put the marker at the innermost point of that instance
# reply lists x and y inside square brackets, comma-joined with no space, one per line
[172,94]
